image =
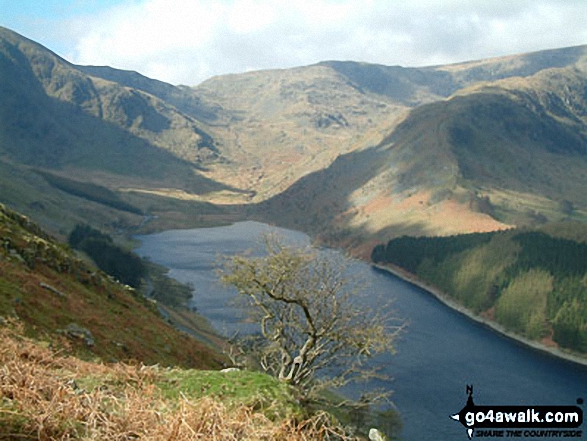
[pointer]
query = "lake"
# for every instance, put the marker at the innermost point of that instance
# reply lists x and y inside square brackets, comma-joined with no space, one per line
[440,352]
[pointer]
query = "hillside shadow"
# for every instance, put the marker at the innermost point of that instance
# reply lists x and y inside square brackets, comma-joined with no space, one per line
[46,132]
[312,202]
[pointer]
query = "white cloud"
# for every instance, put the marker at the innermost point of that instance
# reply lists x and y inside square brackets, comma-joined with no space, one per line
[187,41]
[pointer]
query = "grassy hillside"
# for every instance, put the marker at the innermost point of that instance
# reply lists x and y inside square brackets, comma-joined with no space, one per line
[55,294]
[89,191]
[532,282]
[45,395]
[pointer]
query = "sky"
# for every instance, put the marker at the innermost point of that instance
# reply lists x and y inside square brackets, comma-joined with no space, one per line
[189,41]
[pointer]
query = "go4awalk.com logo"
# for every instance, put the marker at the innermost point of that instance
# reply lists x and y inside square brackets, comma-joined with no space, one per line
[554,422]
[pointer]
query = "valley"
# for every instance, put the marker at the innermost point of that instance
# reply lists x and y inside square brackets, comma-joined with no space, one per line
[349,152]
[361,157]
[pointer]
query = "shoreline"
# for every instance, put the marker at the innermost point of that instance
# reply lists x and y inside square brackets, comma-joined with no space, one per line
[493,326]
[447,301]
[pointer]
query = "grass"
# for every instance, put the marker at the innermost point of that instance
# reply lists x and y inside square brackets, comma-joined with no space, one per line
[46,396]
[253,389]
[524,208]
[58,212]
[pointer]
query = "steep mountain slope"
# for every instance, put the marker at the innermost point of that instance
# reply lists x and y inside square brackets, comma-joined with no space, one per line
[56,117]
[277,126]
[181,97]
[512,151]
[55,295]
[67,91]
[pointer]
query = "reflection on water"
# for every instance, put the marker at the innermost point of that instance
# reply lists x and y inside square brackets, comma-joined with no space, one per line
[440,352]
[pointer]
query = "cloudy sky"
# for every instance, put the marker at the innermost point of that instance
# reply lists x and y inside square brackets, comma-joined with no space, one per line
[188,41]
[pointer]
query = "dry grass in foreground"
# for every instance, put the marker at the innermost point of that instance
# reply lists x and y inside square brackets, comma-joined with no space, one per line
[41,399]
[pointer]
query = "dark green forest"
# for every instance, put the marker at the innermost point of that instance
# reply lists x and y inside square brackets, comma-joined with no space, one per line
[129,268]
[530,281]
[109,257]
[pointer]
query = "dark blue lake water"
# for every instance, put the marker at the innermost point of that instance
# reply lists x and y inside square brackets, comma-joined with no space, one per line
[439,354]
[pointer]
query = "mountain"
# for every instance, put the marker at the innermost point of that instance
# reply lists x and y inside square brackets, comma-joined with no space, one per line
[493,154]
[57,118]
[415,86]
[277,126]
[352,152]
[56,103]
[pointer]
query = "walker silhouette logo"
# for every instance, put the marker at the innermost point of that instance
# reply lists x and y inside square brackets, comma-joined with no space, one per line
[520,421]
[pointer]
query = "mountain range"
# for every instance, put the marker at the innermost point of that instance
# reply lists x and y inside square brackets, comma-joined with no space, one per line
[353,153]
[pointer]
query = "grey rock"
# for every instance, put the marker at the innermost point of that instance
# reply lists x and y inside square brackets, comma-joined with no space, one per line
[52,289]
[76,331]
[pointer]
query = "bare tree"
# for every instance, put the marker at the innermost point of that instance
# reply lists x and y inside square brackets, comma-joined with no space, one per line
[311,319]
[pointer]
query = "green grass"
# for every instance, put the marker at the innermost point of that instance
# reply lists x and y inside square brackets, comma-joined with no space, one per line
[255,389]
[45,395]
[29,193]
